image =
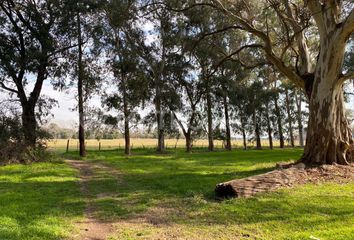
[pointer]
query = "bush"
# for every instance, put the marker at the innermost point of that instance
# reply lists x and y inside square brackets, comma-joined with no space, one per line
[12,145]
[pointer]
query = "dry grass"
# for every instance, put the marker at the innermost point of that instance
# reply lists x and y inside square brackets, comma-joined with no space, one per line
[93,144]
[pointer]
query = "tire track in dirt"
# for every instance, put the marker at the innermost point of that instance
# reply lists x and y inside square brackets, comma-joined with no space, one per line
[91,228]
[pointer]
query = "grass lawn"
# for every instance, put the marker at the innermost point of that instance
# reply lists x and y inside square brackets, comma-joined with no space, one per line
[171,197]
[39,201]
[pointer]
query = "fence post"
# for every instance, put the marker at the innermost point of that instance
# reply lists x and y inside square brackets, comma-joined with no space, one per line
[67,146]
[99,146]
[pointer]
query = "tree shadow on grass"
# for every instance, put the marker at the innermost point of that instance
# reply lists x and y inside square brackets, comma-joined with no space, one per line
[33,206]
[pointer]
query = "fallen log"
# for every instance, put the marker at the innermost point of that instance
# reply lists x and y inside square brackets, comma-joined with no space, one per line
[266,182]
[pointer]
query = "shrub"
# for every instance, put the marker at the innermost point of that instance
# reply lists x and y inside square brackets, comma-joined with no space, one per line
[12,145]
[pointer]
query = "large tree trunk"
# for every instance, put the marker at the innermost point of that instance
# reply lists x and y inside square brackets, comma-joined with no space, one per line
[248,187]
[227,124]
[329,137]
[279,122]
[80,92]
[210,122]
[290,120]
[29,124]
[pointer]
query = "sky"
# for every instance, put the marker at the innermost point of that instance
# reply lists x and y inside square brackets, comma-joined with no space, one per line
[65,117]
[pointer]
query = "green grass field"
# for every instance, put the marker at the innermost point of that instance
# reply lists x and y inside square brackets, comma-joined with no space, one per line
[39,201]
[170,196]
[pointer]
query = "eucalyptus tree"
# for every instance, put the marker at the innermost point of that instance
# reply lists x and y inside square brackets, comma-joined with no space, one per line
[189,121]
[157,50]
[290,108]
[239,101]
[85,24]
[279,29]
[229,76]
[34,37]
[206,55]
[130,77]
[278,111]
[301,114]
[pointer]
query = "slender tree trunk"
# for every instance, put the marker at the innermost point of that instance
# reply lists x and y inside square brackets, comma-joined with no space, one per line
[269,127]
[290,121]
[227,124]
[80,92]
[299,118]
[210,122]
[29,124]
[188,142]
[257,131]
[279,122]
[329,137]
[244,139]
[126,118]
[127,137]
[160,122]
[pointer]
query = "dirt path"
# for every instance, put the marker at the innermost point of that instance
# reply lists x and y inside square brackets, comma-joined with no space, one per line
[91,228]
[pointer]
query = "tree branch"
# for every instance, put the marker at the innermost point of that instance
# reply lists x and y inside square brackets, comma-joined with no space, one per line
[315,8]
[346,77]
[348,26]
[7,88]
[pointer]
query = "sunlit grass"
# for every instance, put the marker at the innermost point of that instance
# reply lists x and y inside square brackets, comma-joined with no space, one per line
[39,201]
[174,194]
[171,196]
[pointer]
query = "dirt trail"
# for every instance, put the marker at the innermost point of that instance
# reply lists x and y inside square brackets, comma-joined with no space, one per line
[91,228]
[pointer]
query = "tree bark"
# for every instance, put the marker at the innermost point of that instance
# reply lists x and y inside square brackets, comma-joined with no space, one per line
[160,124]
[257,131]
[210,122]
[298,99]
[29,124]
[188,142]
[329,137]
[126,118]
[279,122]
[269,127]
[244,139]
[80,92]
[290,121]
[227,124]
[127,137]
[248,187]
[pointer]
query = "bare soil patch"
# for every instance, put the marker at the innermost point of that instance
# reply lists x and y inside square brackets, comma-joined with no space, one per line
[91,228]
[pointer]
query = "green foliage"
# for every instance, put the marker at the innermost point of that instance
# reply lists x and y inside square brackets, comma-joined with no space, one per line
[12,143]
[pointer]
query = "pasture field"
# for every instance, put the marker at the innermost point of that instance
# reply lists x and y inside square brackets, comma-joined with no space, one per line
[169,196]
[141,143]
